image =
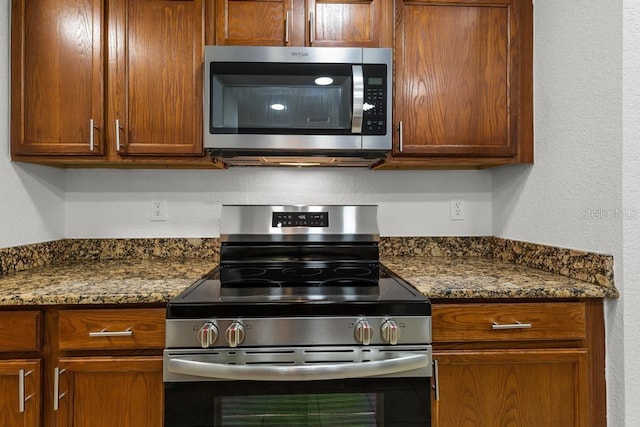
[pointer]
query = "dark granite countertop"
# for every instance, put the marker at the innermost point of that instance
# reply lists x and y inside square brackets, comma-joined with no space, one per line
[473,277]
[102,282]
[159,280]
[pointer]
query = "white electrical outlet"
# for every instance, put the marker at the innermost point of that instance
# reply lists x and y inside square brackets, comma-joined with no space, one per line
[457,211]
[158,208]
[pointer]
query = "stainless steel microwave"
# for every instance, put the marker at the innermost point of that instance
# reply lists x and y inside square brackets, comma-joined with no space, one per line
[272,105]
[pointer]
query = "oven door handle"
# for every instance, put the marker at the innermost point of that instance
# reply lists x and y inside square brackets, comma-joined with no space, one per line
[299,373]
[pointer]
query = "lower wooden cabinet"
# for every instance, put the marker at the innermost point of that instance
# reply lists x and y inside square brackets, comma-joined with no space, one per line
[20,392]
[105,366]
[524,388]
[524,364]
[109,391]
[93,367]
[20,368]
[499,363]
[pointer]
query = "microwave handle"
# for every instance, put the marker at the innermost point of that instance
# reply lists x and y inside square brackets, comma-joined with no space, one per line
[358,99]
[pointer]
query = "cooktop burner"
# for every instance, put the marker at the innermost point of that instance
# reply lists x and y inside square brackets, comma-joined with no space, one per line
[387,294]
[296,274]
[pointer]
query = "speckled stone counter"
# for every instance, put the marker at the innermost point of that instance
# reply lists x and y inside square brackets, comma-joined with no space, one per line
[473,277]
[102,282]
[124,271]
[158,280]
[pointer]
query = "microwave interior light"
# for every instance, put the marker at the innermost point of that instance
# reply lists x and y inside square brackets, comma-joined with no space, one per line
[323,81]
[300,164]
[278,107]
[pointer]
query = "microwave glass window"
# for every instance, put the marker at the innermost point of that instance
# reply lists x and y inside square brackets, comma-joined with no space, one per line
[310,100]
[337,409]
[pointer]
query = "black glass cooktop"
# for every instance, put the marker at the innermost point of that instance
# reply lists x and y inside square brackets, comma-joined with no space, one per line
[299,289]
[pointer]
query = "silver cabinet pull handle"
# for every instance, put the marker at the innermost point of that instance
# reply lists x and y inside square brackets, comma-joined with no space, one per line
[21,399]
[298,373]
[400,142]
[104,333]
[497,326]
[56,387]
[312,29]
[118,129]
[436,384]
[286,27]
[21,390]
[91,128]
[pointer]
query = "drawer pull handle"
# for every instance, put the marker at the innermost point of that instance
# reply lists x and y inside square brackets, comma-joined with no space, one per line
[105,333]
[497,326]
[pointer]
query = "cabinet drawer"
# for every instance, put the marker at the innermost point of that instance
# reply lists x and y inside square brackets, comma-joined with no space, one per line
[111,329]
[508,321]
[19,331]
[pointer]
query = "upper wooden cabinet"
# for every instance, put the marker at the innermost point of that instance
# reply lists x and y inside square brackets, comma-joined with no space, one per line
[366,23]
[108,82]
[463,83]
[57,77]
[155,76]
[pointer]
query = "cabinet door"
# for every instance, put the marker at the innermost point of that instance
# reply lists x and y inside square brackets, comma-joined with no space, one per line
[258,23]
[155,80]
[524,388]
[56,73]
[110,391]
[457,78]
[20,393]
[366,23]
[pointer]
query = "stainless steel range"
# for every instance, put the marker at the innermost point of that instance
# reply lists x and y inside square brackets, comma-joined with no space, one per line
[299,325]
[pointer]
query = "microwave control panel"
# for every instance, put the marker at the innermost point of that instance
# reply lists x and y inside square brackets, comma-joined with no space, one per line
[374,118]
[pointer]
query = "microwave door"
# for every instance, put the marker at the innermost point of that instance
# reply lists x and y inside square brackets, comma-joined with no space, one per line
[358,99]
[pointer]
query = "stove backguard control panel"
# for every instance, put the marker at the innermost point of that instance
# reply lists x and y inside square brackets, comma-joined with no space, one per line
[300,219]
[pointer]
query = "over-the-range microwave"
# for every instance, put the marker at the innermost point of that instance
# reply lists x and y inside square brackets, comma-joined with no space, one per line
[297,105]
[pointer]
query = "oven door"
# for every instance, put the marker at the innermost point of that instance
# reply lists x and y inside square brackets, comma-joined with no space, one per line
[372,402]
[291,386]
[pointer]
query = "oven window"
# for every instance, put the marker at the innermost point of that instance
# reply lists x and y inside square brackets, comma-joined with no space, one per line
[313,410]
[379,402]
[288,98]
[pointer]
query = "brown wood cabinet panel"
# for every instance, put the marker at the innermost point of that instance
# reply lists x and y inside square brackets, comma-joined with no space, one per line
[255,22]
[20,331]
[93,329]
[56,73]
[155,76]
[453,71]
[524,388]
[11,414]
[476,322]
[366,23]
[110,391]
[463,93]
[108,84]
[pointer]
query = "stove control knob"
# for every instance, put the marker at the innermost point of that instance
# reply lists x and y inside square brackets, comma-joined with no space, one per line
[363,332]
[235,334]
[390,332]
[207,335]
